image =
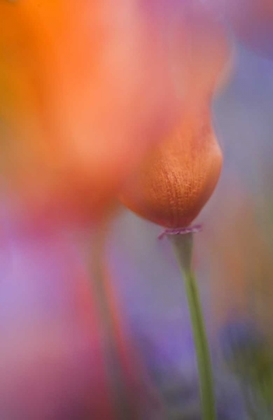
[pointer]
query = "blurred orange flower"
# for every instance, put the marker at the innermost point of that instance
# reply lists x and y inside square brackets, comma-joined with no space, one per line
[85,89]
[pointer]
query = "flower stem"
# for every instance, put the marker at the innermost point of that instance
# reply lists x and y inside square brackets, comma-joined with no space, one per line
[121,399]
[183,250]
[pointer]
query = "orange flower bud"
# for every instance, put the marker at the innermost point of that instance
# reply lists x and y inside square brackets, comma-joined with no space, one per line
[173,185]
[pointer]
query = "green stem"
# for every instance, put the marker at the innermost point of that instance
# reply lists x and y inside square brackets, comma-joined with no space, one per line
[183,250]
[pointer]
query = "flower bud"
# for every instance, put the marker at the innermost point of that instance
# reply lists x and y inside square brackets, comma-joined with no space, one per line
[171,187]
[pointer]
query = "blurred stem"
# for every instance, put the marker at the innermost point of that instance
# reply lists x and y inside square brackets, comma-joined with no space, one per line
[182,245]
[99,285]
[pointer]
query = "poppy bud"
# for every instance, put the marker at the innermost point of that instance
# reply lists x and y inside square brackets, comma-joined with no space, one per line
[173,185]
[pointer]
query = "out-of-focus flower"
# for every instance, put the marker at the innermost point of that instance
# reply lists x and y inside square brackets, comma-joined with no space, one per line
[176,181]
[85,89]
